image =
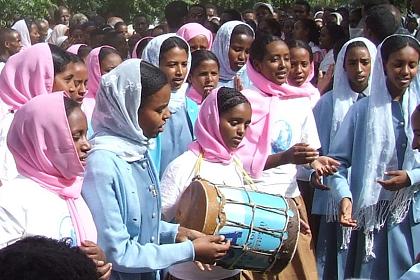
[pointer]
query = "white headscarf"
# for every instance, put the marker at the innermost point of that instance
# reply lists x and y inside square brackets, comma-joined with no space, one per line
[151,54]
[21,27]
[342,99]
[58,32]
[221,47]
[115,117]
[375,204]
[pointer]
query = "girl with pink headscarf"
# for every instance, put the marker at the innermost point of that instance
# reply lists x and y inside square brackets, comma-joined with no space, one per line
[100,61]
[50,148]
[37,70]
[282,138]
[197,36]
[223,119]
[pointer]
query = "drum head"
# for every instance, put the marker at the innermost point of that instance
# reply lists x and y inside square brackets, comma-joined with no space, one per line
[199,207]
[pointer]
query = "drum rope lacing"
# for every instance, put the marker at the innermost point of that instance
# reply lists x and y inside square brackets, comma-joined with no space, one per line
[248,181]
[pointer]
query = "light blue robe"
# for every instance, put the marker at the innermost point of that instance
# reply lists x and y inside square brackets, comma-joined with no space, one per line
[395,246]
[125,203]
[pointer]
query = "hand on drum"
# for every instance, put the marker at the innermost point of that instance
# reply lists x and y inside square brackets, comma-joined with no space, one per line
[301,153]
[346,213]
[325,166]
[185,234]
[210,248]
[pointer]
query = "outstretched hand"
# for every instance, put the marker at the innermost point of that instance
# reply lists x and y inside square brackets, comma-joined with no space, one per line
[399,179]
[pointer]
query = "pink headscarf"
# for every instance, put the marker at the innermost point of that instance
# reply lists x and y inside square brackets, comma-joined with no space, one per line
[194,95]
[256,144]
[134,53]
[74,49]
[209,140]
[191,30]
[41,143]
[27,74]
[94,78]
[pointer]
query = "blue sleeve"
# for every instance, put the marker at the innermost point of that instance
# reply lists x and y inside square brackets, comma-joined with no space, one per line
[414,175]
[100,190]
[168,232]
[342,150]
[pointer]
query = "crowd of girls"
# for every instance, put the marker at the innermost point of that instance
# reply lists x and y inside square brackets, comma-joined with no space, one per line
[97,146]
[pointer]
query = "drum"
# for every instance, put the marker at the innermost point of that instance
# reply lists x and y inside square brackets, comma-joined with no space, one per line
[263,228]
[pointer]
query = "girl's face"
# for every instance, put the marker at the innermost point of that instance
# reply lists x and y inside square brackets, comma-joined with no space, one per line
[400,69]
[357,65]
[198,43]
[154,112]
[78,36]
[34,34]
[109,62]
[174,63]
[275,65]
[80,78]
[205,77]
[239,51]
[325,40]
[64,82]
[233,124]
[78,128]
[300,66]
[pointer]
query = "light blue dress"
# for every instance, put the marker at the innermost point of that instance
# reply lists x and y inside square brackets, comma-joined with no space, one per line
[124,199]
[395,245]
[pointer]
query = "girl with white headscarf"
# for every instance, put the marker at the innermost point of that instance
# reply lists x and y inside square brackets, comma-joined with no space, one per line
[29,32]
[121,186]
[381,199]
[171,54]
[231,46]
[352,82]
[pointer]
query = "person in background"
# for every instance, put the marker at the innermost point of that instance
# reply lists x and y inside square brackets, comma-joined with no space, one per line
[28,31]
[211,11]
[10,44]
[121,27]
[301,9]
[118,41]
[62,16]
[176,14]
[44,30]
[230,15]
[380,23]
[76,35]
[113,20]
[141,24]
[330,35]
[263,11]
[248,15]
[140,46]
[197,13]
[197,36]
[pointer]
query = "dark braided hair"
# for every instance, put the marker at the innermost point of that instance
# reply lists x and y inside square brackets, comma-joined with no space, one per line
[38,257]
[227,98]
[152,79]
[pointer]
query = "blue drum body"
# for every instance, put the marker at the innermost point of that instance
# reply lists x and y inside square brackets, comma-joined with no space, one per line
[263,228]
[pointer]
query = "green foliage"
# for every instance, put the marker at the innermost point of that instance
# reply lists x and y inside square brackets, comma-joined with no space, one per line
[15,9]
